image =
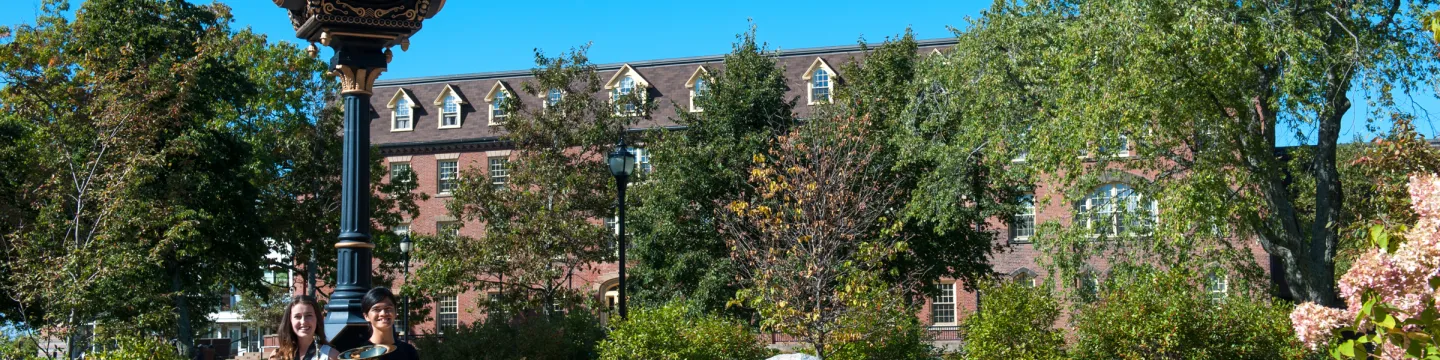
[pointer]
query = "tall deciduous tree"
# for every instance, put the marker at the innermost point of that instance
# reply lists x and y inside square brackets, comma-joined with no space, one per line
[542,226]
[678,253]
[1200,91]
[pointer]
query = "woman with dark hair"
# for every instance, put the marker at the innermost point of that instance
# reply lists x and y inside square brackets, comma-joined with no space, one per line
[379,309]
[300,335]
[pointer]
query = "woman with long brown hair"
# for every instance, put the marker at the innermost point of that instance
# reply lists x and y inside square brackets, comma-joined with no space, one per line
[300,335]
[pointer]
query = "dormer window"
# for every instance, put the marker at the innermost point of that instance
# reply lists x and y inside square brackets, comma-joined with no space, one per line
[553,97]
[449,103]
[498,98]
[699,86]
[402,111]
[626,82]
[821,82]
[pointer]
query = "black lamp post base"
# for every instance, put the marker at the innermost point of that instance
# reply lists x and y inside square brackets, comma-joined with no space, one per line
[346,331]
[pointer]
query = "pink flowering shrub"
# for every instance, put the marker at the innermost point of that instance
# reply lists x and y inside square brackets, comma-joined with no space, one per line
[1390,292]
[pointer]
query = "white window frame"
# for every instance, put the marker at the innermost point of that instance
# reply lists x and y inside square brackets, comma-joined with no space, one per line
[811,82]
[699,85]
[1217,285]
[402,105]
[453,227]
[447,99]
[445,185]
[447,312]
[1116,203]
[1024,220]
[498,171]
[552,98]
[495,101]
[397,164]
[953,306]
[616,88]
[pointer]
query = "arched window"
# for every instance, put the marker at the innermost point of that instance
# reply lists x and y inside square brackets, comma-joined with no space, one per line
[1088,286]
[1217,285]
[1114,209]
[451,114]
[552,97]
[820,86]
[497,107]
[627,87]
[1024,277]
[402,114]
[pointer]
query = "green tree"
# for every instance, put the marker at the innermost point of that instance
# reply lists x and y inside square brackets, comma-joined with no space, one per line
[1165,314]
[678,253]
[679,331]
[1018,322]
[1191,95]
[540,227]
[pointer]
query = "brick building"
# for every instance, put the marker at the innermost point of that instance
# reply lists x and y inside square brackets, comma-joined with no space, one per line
[439,126]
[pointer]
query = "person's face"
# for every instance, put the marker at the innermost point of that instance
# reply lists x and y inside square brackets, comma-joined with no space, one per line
[302,320]
[382,315]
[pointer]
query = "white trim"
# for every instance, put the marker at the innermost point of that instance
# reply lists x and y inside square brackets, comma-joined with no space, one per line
[450,156]
[545,98]
[459,110]
[954,304]
[700,74]
[831,78]
[405,158]
[494,153]
[411,103]
[642,86]
[490,105]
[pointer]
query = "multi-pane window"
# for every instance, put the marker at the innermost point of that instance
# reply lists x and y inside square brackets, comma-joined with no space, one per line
[1217,286]
[1118,145]
[402,114]
[400,171]
[552,97]
[820,86]
[448,312]
[942,310]
[627,87]
[499,172]
[450,116]
[642,161]
[1089,286]
[497,106]
[1025,278]
[1115,208]
[401,229]
[699,90]
[449,174]
[447,228]
[1022,227]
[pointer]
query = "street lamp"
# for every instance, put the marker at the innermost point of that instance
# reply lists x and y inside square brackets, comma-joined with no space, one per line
[361,32]
[622,165]
[405,245]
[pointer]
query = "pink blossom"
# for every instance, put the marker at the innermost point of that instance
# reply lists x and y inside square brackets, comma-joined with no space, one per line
[1423,190]
[1314,323]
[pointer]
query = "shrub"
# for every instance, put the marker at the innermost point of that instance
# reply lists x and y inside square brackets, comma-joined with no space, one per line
[20,348]
[678,332]
[1166,315]
[137,348]
[1017,322]
[527,336]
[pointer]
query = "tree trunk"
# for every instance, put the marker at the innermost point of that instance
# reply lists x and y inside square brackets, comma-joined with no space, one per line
[182,307]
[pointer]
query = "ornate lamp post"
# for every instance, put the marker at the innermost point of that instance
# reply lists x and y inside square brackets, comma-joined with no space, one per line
[622,165]
[361,32]
[405,246]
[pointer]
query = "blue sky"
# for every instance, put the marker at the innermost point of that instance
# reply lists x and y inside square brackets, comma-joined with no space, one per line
[474,36]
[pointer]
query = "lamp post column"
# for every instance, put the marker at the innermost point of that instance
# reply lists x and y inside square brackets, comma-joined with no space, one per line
[357,62]
[620,183]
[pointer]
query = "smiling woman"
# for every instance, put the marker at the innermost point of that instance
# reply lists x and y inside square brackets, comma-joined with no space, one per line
[300,336]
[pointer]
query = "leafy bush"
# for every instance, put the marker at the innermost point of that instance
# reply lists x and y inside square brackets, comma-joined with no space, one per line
[528,336]
[1166,315]
[1018,322]
[19,348]
[675,331]
[137,348]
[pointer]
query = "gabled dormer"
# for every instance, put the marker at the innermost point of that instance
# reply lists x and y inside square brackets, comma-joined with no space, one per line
[699,85]
[450,102]
[402,111]
[497,98]
[625,82]
[820,81]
